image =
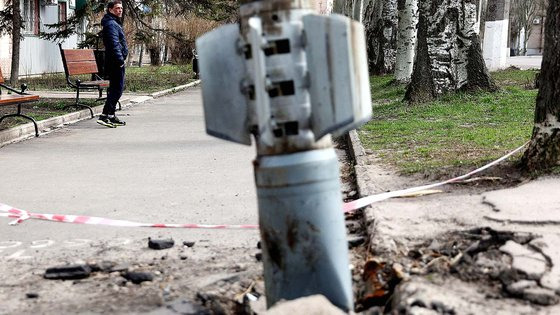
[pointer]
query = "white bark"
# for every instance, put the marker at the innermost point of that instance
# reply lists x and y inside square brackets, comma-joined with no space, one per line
[448,46]
[406,42]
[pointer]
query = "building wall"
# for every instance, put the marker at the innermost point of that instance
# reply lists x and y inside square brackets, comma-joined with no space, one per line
[37,56]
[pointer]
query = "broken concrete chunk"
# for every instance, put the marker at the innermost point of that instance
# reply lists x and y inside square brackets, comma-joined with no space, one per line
[69,272]
[138,277]
[354,241]
[517,288]
[532,263]
[160,244]
[188,244]
[540,296]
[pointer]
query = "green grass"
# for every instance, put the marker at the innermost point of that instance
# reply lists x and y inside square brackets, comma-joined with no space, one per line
[456,132]
[41,110]
[145,79]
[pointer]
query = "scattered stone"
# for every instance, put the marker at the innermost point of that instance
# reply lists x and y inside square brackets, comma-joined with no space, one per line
[517,288]
[540,296]
[532,263]
[160,244]
[354,241]
[120,281]
[185,307]
[138,277]
[188,243]
[120,267]
[352,193]
[315,304]
[183,257]
[259,245]
[258,256]
[70,272]
[31,295]
[547,244]
[104,266]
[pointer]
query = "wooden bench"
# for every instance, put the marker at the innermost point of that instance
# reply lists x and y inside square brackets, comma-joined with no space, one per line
[17,98]
[82,61]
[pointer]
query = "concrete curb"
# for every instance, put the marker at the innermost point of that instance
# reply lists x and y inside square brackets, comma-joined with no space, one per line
[175,89]
[27,131]
[377,242]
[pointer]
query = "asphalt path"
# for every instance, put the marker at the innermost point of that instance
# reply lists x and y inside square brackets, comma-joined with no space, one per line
[159,168]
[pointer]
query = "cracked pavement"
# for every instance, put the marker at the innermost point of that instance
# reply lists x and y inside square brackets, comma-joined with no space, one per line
[517,271]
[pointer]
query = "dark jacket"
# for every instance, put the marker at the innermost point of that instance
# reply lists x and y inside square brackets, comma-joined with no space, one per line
[116,49]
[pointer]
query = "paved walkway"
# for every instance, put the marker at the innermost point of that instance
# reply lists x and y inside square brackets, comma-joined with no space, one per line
[525,62]
[159,168]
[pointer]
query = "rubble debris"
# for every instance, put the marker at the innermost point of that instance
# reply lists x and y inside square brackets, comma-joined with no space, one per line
[120,267]
[181,306]
[355,240]
[104,266]
[258,256]
[314,304]
[380,280]
[529,262]
[160,244]
[31,295]
[138,277]
[540,296]
[259,245]
[69,272]
[188,243]
[183,257]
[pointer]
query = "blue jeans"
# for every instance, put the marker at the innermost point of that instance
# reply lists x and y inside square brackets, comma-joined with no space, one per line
[115,90]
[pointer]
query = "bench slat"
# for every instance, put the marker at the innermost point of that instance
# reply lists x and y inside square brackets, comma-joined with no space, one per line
[78,55]
[9,99]
[81,67]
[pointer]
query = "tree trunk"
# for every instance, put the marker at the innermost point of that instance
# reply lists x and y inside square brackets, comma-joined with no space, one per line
[343,7]
[449,57]
[155,55]
[381,23]
[406,43]
[544,149]
[141,55]
[16,40]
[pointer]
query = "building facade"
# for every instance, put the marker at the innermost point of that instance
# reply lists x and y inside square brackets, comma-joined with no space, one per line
[37,55]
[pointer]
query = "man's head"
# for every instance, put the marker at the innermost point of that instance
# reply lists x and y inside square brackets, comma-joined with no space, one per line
[115,8]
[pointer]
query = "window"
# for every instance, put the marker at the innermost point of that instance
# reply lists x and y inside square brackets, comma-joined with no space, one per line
[30,14]
[62,13]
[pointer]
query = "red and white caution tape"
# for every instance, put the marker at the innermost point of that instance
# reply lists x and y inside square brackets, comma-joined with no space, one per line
[22,215]
[366,201]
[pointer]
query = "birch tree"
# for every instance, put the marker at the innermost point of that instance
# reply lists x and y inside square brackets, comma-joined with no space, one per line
[544,149]
[406,42]
[449,55]
[381,23]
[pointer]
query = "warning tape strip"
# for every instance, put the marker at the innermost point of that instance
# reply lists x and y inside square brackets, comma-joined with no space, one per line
[22,215]
[366,201]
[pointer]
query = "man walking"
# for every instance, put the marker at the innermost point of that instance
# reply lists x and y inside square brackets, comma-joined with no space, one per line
[116,52]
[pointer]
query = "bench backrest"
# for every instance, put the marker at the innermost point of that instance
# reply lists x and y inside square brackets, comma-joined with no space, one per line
[78,61]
